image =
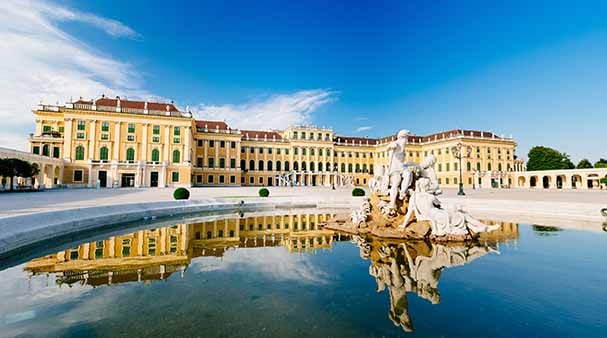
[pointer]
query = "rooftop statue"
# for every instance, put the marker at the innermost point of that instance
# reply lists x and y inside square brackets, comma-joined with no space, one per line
[404,203]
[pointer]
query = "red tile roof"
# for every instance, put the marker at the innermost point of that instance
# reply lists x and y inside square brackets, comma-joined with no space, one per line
[260,135]
[355,140]
[211,125]
[107,102]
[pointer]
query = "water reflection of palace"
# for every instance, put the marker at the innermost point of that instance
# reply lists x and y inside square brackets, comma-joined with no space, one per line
[155,254]
[416,266]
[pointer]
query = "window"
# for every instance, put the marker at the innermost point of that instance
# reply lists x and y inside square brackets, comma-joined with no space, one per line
[261,150]
[199,162]
[296,151]
[130,138]
[243,149]
[78,174]
[489,166]
[303,135]
[156,130]
[261,180]
[251,150]
[103,153]
[260,165]
[80,135]
[232,179]
[277,151]
[209,235]
[126,247]
[46,128]
[478,166]
[105,137]
[222,144]
[79,153]
[156,139]
[212,143]
[287,151]
[222,163]
[305,151]
[287,166]
[155,155]
[175,176]
[36,150]
[233,163]
[130,154]
[349,167]
[269,150]
[46,150]
[233,145]
[312,151]
[251,165]
[177,131]
[468,166]
[243,164]
[270,166]
[211,162]
[56,152]
[222,179]
[81,125]
[210,178]
[176,140]
[61,129]
[199,143]
[176,156]
[251,180]
[105,126]
[278,166]
[131,128]
[198,178]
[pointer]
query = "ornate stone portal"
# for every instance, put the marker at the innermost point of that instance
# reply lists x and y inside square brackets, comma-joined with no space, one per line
[404,204]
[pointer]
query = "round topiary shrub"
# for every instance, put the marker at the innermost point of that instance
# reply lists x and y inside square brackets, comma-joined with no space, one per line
[358,192]
[181,194]
[263,192]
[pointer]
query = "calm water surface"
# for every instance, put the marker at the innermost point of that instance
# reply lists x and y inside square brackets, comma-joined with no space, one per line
[284,276]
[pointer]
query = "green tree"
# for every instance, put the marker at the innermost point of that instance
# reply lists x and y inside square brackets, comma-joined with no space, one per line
[544,158]
[602,163]
[14,167]
[584,164]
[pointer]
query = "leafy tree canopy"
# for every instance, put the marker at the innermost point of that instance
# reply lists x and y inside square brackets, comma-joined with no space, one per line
[602,163]
[584,164]
[544,158]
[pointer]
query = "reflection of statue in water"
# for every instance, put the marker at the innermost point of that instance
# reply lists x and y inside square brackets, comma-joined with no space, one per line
[413,267]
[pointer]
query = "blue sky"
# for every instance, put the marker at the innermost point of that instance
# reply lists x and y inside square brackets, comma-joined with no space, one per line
[534,70]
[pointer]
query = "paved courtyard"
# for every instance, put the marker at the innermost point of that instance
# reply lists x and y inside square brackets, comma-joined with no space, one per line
[23,203]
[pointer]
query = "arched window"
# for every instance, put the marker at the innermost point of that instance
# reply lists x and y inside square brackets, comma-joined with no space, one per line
[343,167]
[260,165]
[176,156]
[349,167]
[488,166]
[295,166]
[103,153]
[46,150]
[304,166]
[79,153]
[357,167]
[468,166]
[251,165]
[312,165]
[270,165]
[278,166]
[130,154]
[327,166]
[364,168]
[499,167]
[243,165]
[287,166]
[155,155]
[478,166]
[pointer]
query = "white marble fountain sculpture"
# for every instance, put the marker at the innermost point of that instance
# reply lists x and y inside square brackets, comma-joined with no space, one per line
[419,182]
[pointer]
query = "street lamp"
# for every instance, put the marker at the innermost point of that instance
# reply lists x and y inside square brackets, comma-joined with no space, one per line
[460,151]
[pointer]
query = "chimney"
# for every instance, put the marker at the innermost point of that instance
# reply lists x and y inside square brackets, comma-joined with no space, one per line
[145,107]
[168,112]
[118,104]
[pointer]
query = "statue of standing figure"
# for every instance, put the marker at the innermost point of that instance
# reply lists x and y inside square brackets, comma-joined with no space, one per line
[396,167]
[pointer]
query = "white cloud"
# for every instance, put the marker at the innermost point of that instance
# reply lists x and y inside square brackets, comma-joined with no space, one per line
[41,61]
[363,128]
[276,111]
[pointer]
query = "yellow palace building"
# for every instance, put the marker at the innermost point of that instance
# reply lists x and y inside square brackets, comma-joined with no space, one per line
[114,142]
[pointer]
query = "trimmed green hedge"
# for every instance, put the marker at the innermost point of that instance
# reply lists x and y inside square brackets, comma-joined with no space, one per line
[263,192]
[358,192]
[181,194]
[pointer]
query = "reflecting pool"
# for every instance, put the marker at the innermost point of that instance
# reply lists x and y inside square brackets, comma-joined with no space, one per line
[282,275]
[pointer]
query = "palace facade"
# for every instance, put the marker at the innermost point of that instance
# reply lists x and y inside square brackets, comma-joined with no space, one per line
[114,142]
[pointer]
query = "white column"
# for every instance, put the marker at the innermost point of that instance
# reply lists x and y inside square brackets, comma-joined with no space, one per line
[67,140]
[167,143]
[116,152]
[144,143]
[92,181]
[188,145]
[92,139]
